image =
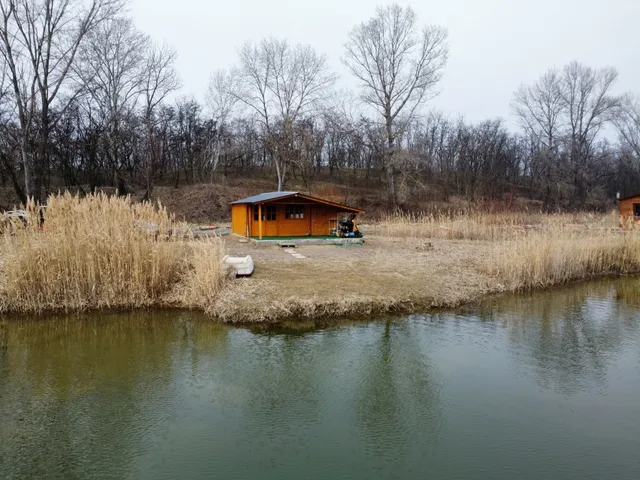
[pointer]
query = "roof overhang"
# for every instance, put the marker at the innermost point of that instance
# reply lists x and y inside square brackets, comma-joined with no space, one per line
[637,195]
[262,199]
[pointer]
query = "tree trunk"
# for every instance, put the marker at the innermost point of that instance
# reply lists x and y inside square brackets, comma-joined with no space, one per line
[279,173]
[391,183]
[24,151]
[216,159]
[389,167]
[151,161]
[42,152]
[14,179]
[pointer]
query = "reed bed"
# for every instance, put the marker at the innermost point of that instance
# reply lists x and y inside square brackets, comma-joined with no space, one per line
[474,225]
[556,257]
[99,252]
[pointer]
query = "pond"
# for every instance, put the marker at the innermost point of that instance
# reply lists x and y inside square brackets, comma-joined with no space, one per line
[537,386]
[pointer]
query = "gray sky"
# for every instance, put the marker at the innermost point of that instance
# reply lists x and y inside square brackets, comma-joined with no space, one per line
[495,45]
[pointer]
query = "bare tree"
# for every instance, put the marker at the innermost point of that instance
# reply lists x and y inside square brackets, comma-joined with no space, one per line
[589,105]
[281,84]
[565,113]
[111,67]
[8,145]
[159,80]
[540,107]
[398,66]
[39,40]
[627,121]
[541,111]
[221,100]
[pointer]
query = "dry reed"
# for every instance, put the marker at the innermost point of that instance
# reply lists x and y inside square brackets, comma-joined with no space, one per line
[104,252]
[108,252]
[474,225]
[555,257]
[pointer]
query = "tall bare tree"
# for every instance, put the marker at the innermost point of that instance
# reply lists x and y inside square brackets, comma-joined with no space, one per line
[540,107]
[281,84]
[221,100]
[111,67]
[39,40]
[589,105]
[159,80]
[565,113]
[627,121]
[398,65]
[7,143]
[541,111]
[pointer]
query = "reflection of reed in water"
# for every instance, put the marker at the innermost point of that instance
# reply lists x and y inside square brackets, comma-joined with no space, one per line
[572,334]
[78,395]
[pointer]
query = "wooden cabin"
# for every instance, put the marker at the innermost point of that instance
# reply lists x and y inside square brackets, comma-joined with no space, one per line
[286,214]
[629,208]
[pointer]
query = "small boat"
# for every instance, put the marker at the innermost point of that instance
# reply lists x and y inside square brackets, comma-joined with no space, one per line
[242,266]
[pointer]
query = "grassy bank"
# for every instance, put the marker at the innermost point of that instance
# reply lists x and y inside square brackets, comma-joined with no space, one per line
[531,251]
[102,252]
[105,252]
[415,263]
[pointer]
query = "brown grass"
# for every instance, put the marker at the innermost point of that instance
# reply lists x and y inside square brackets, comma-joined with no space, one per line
[475,225]
[411,264]
[555,257]
[104,252]
[107,252]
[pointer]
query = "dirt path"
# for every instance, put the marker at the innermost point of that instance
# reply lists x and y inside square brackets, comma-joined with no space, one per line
[383,275]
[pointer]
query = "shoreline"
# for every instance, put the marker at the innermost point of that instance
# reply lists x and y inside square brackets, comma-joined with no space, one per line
[326,314]
[387,276]
[406,265]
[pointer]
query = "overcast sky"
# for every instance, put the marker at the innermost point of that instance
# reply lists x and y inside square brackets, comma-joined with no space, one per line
[495,45]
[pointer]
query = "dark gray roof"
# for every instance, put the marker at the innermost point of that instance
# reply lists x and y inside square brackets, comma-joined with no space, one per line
[629,196]
[263,197]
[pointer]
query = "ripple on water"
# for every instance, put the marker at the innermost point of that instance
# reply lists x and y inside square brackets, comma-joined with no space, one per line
[540,386]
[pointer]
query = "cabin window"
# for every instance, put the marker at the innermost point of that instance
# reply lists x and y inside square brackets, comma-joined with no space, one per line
[294,211]
[268,212]
[636,210]
[271,213]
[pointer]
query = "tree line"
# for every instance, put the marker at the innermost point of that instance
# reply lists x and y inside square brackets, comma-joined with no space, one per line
[88,100]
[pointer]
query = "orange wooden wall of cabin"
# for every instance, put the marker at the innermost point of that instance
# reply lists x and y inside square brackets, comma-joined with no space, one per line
[626,209]
[323,220]
[318,220]
[293,227]
[239,219]
[269,227]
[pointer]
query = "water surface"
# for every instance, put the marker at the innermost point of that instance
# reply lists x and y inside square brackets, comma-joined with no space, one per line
[542,386]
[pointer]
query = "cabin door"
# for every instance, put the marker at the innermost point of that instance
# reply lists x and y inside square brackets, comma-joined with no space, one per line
[269,221]
[320,223]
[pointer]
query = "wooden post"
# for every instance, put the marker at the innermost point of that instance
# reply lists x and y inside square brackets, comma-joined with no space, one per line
[260,220]
[248,216]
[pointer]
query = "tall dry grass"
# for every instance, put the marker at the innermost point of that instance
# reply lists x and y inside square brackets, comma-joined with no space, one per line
[475,225]
[555,257]
[105,252]
[531,250]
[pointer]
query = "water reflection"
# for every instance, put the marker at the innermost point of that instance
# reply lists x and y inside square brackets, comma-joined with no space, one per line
[571,334]
[397,390]
[468,394]
[76,390]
